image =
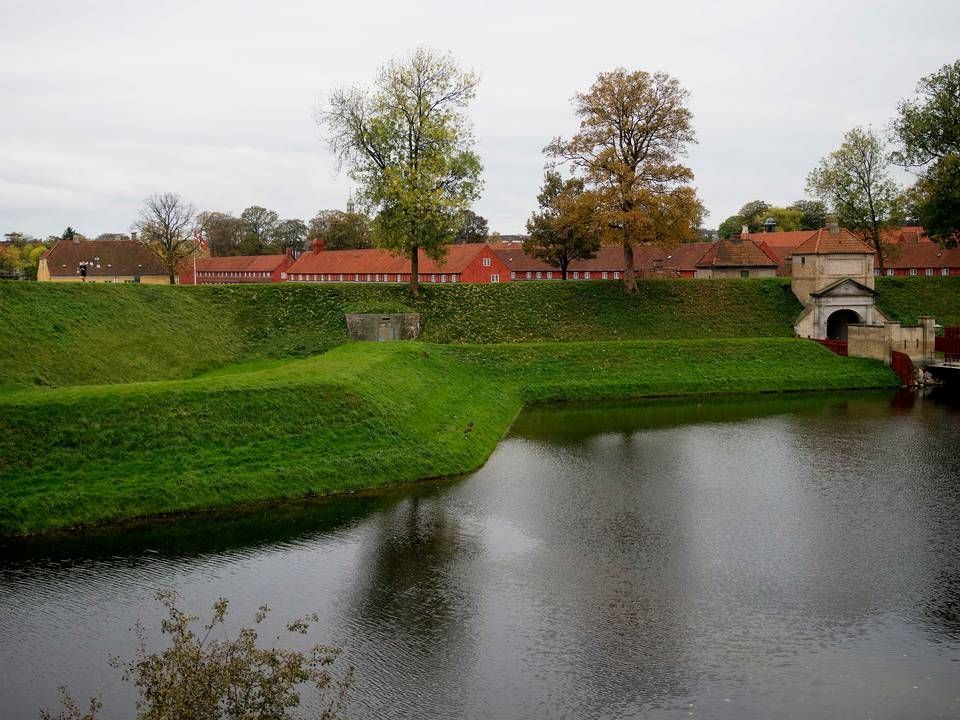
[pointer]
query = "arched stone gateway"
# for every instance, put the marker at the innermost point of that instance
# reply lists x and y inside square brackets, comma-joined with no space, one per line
[838,322]
[829,311]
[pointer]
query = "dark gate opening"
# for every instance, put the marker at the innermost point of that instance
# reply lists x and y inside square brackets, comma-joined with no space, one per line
[838,323]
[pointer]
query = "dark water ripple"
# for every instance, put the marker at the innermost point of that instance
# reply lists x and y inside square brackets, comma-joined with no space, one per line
[764,558]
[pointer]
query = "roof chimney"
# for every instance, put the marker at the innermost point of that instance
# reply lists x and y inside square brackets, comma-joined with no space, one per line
[744,232]
[318,245]
[289,251]
[832,226]
[133,235]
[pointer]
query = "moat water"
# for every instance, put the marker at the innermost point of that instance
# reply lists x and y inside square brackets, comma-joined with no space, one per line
[781,557]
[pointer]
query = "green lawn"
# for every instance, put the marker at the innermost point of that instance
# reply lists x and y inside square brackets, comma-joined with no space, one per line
[907,298]
[359,416]
[55,335]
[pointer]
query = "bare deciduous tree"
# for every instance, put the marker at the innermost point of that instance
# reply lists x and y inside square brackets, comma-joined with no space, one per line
[166,226]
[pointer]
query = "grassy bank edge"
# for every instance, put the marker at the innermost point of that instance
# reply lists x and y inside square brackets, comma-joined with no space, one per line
[358,375]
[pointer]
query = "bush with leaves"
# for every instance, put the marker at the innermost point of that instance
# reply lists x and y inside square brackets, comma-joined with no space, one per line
[212,676]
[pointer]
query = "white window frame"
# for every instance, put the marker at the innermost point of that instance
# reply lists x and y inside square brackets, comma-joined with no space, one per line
[944,271]
[529,275]
[603,275]
[586,275]
[453,278]
[513,275]
[890,272]
[913,271]
[929,272]
[495,278]
[486,262]
[549,274]
[539,275]
[616,275]
[576,274]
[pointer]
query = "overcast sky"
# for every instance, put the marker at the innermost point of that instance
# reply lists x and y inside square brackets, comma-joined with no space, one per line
[103,103]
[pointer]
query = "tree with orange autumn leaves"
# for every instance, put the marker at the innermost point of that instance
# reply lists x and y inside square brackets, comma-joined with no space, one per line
[634,128]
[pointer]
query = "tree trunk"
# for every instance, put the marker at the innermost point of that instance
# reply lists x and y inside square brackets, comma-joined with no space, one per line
[878,246]
[415,271]
[563,269]
[629,277]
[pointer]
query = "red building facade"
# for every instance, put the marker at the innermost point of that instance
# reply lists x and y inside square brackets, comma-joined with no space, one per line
[237,269]
[470,263]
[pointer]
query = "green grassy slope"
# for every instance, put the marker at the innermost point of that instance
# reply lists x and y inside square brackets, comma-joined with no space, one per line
[57,334]
[80,334]
[359,416]
[906,298]
[54,334]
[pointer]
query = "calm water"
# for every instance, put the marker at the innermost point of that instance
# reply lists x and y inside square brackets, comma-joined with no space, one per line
[769,558]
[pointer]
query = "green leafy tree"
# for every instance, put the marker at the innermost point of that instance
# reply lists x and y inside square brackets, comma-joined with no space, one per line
[473,228]
[787,219]
[257,226]
[290,234]
[68,234]
[927,129]
[564,229]
[223,232]
[936,199]
[731,227]
[18,239]
[341,230]
[854,181]
[166,226]
[634,128]
[813,214]
[209,675]
[754,213]
[408,146]
[9,261]
[928,126]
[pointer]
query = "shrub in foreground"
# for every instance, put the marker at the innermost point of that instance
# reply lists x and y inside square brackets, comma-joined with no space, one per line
[202,677]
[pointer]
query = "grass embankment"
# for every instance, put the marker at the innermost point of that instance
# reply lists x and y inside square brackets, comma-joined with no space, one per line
[54,335]
[359,416]
[907,298]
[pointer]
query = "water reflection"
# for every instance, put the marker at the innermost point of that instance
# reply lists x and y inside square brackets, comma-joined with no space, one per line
[734,558]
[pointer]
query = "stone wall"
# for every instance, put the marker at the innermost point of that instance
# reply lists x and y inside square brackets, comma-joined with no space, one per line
[878,341]
[811,273]
[383,327]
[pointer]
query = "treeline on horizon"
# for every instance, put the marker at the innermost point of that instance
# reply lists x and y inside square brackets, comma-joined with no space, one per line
[407,143]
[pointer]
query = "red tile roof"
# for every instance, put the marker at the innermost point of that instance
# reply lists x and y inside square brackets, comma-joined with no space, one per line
[684,257]
[791,238]
[823,242]
[241,263]
[920,255]
[376,260]
[647,258]
[738,253]
[104,257]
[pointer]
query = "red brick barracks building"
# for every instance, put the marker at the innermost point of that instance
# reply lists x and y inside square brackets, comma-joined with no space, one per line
[234,270]
[907,252]
[471,263]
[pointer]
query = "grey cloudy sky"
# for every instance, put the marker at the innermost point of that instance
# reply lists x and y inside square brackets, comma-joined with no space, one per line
[103,103]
